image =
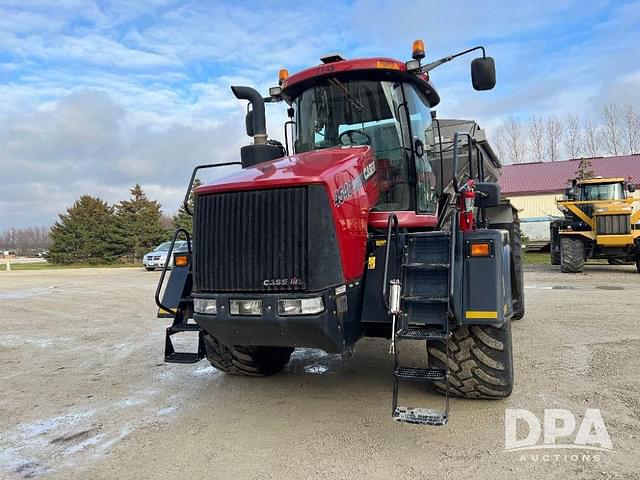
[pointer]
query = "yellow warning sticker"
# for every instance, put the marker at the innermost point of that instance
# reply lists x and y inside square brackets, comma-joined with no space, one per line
[478,314]
[372,263]
[381,243]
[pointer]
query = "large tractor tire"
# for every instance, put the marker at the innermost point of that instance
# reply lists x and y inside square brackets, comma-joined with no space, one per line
[480,361]
[638,264]
[571,255]
[246,361]
[517,273]
[555,246]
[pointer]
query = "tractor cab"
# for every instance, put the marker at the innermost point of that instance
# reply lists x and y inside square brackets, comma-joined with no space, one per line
[381,103]
[392,117]
[590,193]
[596,189]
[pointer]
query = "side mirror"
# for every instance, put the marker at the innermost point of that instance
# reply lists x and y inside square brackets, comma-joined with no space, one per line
[248,123]
[570,193]
[631,187]
[483,73]
[489,193]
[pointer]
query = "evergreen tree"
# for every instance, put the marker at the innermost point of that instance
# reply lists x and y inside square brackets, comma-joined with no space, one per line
[85,234]
[138,224]
[584,171]
[182,219]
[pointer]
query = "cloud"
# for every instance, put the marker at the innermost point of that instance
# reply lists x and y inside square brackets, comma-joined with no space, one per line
[86,143]
[97,96]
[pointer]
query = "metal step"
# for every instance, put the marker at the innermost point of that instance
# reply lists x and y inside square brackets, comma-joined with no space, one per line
[422,416]
[425,299]
[182,357]
[422,333]
[185,327]
[421,374]
[429,267]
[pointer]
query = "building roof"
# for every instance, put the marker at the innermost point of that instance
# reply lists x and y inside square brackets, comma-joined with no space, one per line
[554,177]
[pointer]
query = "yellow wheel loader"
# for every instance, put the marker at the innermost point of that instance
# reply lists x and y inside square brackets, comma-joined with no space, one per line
[599,222]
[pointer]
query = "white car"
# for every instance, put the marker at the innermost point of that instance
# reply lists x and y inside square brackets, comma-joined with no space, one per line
[158,257]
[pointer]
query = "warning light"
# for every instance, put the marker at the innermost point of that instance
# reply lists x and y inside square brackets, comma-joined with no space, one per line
[283,74]
[181,260]
[480,249]
[418,50]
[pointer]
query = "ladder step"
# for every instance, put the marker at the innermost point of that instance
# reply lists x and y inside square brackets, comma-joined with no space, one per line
[424,299]
[422,333]
[421,374]
[430,267]
[423,416]
[184,327]
[182,357]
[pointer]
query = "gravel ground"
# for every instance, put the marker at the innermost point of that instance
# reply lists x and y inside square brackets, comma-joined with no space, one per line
[85,393]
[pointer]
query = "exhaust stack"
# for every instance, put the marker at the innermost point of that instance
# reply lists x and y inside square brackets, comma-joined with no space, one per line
[257,104]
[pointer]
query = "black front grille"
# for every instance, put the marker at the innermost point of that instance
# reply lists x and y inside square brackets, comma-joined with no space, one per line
[613,224]
[252,241]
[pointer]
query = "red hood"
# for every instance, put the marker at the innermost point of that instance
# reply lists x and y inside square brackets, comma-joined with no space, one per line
[347,174]
[318,166]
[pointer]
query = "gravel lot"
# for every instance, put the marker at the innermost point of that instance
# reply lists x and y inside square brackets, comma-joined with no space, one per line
[85,393]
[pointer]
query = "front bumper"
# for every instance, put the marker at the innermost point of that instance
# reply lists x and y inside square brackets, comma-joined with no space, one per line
[324,330]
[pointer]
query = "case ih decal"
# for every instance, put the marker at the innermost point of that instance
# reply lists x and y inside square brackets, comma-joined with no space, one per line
[346,191]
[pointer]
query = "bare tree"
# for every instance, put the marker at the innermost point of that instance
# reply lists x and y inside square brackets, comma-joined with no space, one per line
[592,138]
[554,129]
[611,128]
[536,138]
[498,143]
[25,241]
[510,133]
[572,136]
[631,128]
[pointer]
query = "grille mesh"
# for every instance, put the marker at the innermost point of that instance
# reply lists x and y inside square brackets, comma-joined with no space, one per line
[242,239]
[613,224]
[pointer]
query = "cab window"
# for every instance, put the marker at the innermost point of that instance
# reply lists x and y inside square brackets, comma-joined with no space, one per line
[423,144]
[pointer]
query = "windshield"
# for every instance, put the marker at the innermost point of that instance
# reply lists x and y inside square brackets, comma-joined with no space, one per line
[164,247]
[391,117]
[603,191]
[338,113]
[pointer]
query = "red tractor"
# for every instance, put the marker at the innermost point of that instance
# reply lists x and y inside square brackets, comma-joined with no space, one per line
[373,219]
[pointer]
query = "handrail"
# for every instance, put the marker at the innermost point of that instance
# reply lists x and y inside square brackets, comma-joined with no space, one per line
[185,202]
[166,264]
[454,171]
[392,219]
[452,259]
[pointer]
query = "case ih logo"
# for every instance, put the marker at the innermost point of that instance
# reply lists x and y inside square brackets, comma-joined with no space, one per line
[282,282]
[347,190]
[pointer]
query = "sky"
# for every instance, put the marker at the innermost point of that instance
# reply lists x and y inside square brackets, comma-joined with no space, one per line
[96,96]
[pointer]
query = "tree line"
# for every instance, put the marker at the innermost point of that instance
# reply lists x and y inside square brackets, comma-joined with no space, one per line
[92,231]
[25,241]
[547,139]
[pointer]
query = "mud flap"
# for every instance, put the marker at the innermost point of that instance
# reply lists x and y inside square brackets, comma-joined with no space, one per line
[178,287]
[487,279]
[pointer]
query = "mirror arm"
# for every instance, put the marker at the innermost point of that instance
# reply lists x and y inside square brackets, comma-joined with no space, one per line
[430,66]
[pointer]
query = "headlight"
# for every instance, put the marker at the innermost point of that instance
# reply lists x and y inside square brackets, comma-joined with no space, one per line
[205,305]
[245,307]
[300,306]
